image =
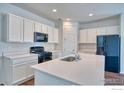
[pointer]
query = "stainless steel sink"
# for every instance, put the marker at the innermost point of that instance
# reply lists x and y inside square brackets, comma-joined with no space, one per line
[69,59]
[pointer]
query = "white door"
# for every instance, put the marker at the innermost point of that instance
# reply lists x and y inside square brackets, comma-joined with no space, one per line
[37,27]
[83,36]
[28,30]
[69,40]
[15,28]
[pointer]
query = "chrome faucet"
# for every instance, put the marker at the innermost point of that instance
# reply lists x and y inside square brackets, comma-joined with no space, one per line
[77,56]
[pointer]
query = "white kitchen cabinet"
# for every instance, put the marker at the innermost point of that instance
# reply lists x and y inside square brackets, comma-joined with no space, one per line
[50,34]
[55,35]
[112,30]
[44,28]
[28,30]
[19,72]
[91,36]
[13,28]
[101,31]
[37,27]
[83,36]
[18,69]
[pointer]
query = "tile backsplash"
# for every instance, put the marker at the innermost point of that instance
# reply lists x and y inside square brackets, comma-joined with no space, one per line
[9,47]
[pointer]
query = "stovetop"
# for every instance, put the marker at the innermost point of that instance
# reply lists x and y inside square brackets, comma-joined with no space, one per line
[39,50]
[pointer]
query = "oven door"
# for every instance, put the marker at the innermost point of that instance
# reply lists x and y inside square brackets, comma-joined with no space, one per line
[40,37]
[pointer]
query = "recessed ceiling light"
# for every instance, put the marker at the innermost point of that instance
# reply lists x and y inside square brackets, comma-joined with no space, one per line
[91,14]
[54,10]
[68,19]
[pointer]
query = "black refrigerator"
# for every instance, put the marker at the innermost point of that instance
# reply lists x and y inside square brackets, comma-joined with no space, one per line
[109,46]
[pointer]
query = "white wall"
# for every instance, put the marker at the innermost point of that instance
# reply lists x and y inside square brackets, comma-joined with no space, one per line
[122,42]
[111,21]
[5,46]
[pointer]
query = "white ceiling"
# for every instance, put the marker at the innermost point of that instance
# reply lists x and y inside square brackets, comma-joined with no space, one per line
[75,11]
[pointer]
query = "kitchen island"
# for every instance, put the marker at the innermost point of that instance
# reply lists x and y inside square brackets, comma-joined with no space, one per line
[89,70]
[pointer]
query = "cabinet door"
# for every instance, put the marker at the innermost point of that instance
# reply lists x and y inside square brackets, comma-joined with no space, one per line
[101,31]
[28,30]
[44,28]
[19,72]
[37,27]
[50,34]
[15,28]
[91,36]
[83,36]
[112,30]
[29,69]
[55,35]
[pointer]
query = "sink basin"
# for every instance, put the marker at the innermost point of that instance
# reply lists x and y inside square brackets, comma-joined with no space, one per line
[69,59]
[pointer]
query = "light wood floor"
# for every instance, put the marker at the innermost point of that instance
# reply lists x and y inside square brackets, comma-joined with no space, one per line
[110,79]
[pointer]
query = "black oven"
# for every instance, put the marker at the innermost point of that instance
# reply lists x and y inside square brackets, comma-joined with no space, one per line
[43,56]
[40,37]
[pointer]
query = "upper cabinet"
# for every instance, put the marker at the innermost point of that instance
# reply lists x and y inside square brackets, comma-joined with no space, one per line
[44,28]
[83,36]
[14,28]
[19,29]
[91,33]
[28,30]
[37,27]
[50,34]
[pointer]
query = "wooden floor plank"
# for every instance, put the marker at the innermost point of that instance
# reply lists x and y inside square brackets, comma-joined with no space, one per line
[110,79]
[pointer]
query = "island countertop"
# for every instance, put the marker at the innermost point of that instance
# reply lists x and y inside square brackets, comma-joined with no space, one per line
[87,71]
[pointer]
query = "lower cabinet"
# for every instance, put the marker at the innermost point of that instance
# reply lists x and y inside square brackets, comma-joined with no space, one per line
[16,73]
[56,55]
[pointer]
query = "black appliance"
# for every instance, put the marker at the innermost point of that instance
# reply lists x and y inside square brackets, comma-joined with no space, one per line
[40,37]
[42,55]
[109,46]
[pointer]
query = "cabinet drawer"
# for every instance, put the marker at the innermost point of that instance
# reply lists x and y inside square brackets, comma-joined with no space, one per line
[21,60]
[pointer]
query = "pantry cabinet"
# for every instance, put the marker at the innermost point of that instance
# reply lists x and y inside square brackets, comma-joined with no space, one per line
[13,28]
[28,30]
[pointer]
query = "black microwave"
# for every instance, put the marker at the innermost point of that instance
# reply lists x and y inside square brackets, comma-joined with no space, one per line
[40,37]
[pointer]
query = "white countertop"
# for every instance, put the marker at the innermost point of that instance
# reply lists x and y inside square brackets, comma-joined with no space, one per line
[20,55]
[88,70]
